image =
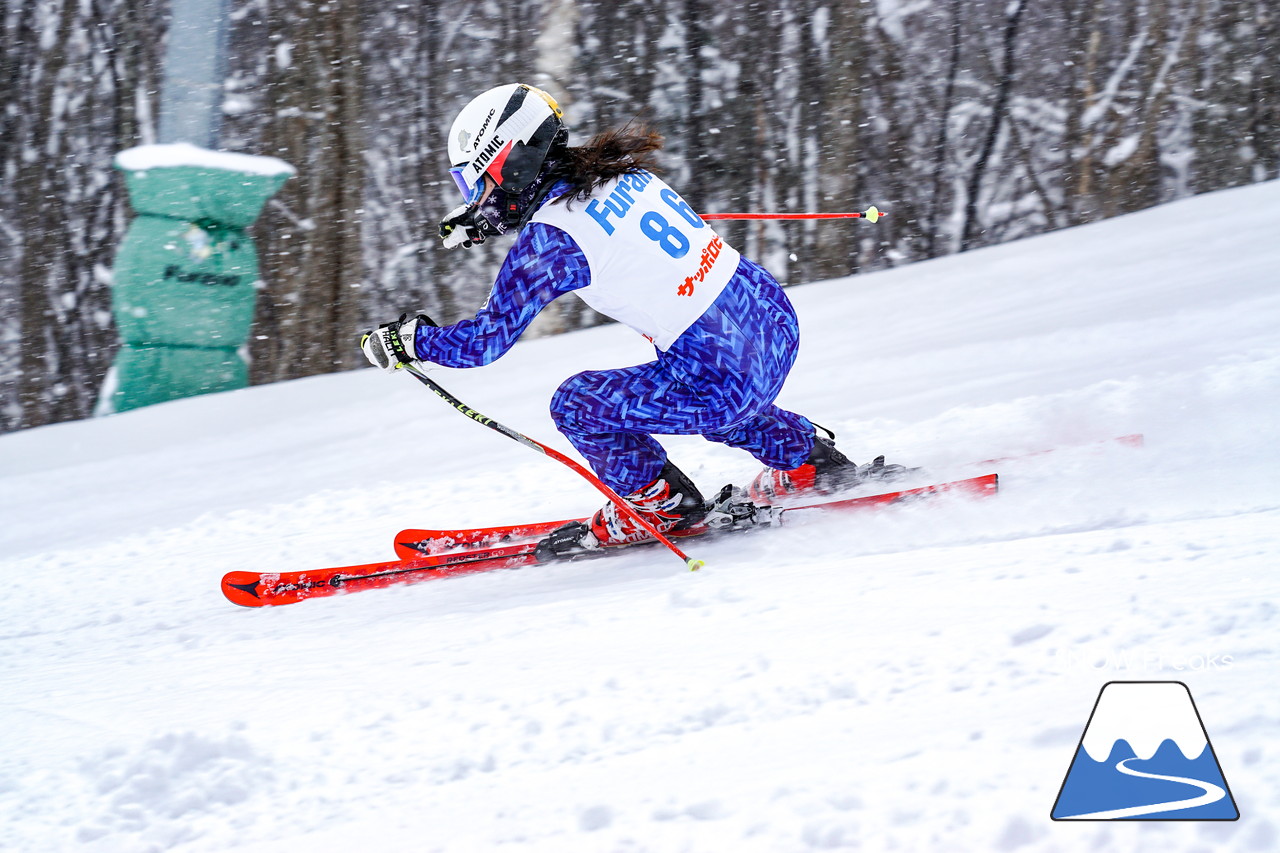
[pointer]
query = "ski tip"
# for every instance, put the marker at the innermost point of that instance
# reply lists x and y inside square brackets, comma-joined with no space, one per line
[693,564]
[412,550]
[242,588]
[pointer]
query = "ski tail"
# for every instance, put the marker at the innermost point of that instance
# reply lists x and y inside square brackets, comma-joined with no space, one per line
[983,486]
[1134,440]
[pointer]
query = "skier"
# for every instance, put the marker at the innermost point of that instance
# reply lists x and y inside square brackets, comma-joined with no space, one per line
[596,221]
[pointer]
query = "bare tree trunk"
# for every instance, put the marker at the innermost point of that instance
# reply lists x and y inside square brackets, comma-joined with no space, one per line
[308,316]
[941,151]
[694,14]
[1082,39]
[1135,182]
[840,155]
[972,227]
[1264,103]
[72,106]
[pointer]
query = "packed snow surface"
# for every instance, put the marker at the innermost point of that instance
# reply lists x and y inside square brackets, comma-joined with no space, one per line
[917,679]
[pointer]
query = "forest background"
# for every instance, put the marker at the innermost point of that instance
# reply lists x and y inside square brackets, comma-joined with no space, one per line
[972,123]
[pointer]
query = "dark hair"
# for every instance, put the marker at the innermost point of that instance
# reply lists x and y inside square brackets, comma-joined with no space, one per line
[607,156]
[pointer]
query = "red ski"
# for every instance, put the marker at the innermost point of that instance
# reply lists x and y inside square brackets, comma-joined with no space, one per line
[262,589]
[415,543]
[426,554]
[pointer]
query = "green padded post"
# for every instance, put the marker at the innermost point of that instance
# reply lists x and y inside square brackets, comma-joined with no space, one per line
[186,273]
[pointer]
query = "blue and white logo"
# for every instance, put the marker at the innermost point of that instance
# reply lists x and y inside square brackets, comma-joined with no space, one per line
[1145,755]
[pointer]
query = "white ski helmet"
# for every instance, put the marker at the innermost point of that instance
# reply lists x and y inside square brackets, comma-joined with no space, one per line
[507,133]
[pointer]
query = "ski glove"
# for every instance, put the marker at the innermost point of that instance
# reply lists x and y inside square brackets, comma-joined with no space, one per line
[463,227]
[390,346]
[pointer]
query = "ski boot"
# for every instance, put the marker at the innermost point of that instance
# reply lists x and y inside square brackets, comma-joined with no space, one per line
[826,471]
[670,502]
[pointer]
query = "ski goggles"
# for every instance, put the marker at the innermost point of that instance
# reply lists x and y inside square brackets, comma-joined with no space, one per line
[470,194]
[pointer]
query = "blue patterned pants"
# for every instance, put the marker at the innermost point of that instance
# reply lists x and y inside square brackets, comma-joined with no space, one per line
[718,380]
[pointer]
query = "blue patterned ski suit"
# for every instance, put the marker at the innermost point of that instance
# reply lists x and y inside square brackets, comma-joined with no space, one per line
[718,380]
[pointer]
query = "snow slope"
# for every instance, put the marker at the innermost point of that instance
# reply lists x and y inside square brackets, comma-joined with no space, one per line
[913,680]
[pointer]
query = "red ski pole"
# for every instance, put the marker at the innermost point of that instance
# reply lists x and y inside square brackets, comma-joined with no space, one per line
[591,478]
[871,214]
